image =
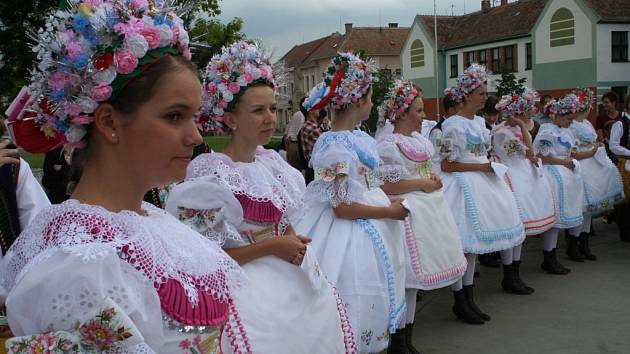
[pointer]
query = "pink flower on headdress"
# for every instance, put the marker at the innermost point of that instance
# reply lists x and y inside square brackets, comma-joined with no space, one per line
[152,35]
[101,92]
[58,80]
[93,2]
[175,30]
[186,51]
[72,109]
[234,87]
[222,104]
[263,73]
[82,119]
[139,4]
[125,61]
[248,77]
[74,49]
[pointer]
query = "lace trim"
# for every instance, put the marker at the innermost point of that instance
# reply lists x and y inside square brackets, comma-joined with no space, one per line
[564,221]
[359,142]
[157,245]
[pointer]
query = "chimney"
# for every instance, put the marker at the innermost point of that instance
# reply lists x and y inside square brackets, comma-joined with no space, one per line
[348,27]
[485,5]
[393,25]
[504,2]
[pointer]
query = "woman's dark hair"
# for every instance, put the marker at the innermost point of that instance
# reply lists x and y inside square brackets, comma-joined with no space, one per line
[489,107]
[611,96]
[449,102]
[261,82]
[140,89]
[302,109]
[322,113]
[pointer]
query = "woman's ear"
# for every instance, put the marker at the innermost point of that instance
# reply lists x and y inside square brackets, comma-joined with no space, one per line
[105,123]
[230,120]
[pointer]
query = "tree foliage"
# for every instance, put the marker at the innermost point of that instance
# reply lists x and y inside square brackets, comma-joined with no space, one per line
[210,35]
[385,79]
[508,84]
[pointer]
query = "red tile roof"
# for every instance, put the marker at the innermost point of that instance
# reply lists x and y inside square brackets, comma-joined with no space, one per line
[611,10]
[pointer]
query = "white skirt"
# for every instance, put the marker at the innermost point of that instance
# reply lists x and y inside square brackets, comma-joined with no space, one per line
[365,260]
[484,210]
[434,250]
[602,183]
[284,308]
[533,194]
[568,194]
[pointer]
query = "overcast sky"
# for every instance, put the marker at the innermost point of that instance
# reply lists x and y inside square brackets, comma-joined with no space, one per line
[281,24]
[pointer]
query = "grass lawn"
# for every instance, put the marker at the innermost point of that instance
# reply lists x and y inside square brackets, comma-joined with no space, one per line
[216,143]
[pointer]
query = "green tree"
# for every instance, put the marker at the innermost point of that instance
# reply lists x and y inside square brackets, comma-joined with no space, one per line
[210,35]
[508,84]
[380,88]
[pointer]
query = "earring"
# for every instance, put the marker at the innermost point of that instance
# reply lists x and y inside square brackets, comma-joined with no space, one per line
[113,135]
[234,129]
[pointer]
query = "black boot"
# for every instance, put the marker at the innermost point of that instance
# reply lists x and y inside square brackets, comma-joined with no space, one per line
[408,337]
[397,343]
[463,311]
[517,276]
[621,219]
[468,290]
[572,249]
[584,247]
[509,282]
[550,263]
[558,264]
[490,259]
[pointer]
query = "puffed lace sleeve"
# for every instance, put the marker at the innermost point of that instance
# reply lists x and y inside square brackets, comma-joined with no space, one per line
[505,144]
[544,142]
[392,167]
[83,299]
[453,142]
[206,207]
[337,173]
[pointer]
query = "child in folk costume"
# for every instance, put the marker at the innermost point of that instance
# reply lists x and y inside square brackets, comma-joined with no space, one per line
[246,198]
[554,144]
[104,272]
[602,183]
[482,204]
[434,249]
[512,145]
[359,247]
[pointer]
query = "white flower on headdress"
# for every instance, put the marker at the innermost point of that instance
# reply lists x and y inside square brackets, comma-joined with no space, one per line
[165,35]
[137,44]
[107,76]
[75,133]
[183,38]
[87,104]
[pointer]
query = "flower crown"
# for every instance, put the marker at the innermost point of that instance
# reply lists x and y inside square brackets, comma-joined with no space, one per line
[226,78]
[455,93]
[513,104]
[472,78]
[566,105]
[586,98]
[89,51]
[347,79]
[398,99]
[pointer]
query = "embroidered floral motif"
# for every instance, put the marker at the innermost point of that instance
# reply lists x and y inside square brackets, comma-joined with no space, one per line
[339,172]
[197,346]
[424,169]
[199,220]
[366,337]
[513,146]
[476,143]
[445,145]
[99,334]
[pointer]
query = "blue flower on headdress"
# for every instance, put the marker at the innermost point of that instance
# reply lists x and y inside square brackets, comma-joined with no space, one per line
[80,22]
[81,61]
[58,95]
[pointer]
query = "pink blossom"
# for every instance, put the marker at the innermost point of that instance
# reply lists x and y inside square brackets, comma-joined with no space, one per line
[97,334]
[263,72]
[42,343]
[222,104]
[139,4]
[133,26]
[152,35]
[175,30]
[186,52]
[248,77]
[93,2]
[101,92]
[185,344]
[234,87]
[125,61]
[74,49]
[197,340]
[58,80]
[72,109]
[82,119]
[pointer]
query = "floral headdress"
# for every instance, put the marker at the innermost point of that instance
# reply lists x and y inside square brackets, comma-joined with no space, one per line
[513,104]
[347,79]
[89,51]
[455,93]
[398,99]
[226,78]
[472,78]
[566,105]
[586,98]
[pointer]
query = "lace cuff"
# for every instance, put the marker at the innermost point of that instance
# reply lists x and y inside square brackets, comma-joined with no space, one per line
[110,330]
[392,174]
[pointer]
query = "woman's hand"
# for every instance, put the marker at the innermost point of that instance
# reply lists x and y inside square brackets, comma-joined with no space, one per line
[568,163]
[432,184]
[487,167]
[397,211]
[290,247]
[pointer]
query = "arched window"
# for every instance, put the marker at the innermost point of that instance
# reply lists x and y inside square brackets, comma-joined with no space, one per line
[417,54]
[562,28]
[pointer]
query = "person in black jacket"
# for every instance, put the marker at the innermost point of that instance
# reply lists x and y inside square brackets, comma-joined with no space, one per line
[56,175]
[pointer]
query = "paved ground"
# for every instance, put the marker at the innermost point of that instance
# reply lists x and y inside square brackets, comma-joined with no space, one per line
[587,311]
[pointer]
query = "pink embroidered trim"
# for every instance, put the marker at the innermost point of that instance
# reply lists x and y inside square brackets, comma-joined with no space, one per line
[236,332]
[413,155]
[534,227]
[259,212]
[346,328]
[416,263]
[175,303]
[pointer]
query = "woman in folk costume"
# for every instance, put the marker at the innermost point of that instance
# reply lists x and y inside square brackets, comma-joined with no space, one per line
[246,198]
[482,204]
[358,245]
[103,271]
[452,104]
[603,186]
[512,145]
[434,249]
[554,144]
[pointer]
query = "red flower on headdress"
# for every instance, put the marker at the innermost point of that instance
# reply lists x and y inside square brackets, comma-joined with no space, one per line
[103,62]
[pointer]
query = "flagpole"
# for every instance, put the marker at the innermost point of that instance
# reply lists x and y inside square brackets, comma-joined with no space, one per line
[437,78]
